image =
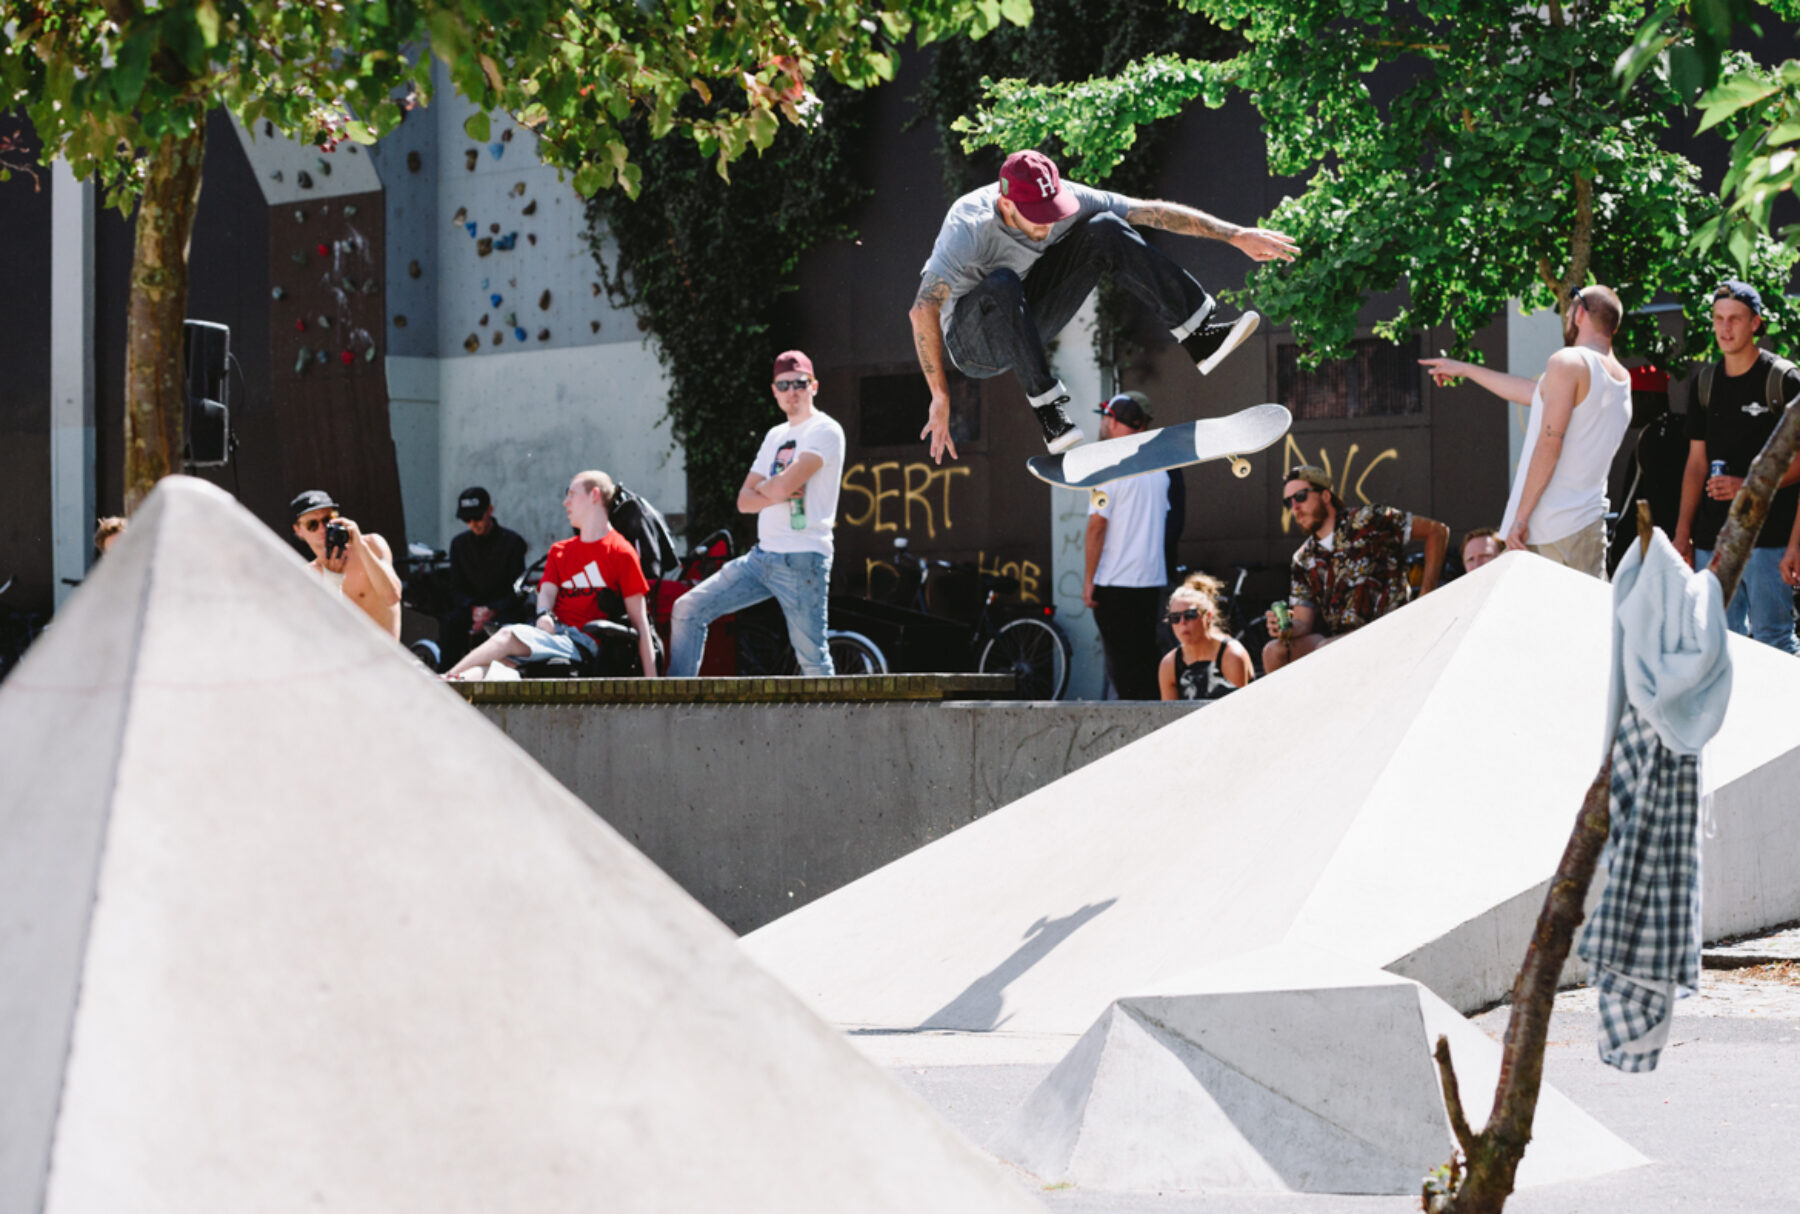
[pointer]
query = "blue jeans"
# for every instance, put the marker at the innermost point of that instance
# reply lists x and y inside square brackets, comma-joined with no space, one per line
[1002,324]
[798,581]
[1763,606]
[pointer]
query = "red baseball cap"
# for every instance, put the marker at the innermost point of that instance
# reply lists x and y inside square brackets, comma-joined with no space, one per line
[1029,180]
[793,360]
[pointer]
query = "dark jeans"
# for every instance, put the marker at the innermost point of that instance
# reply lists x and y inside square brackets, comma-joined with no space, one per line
[1003,323]
[1126,617]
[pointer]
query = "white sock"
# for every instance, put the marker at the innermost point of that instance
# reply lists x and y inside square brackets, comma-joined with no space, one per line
[1191,324]
[1045,398]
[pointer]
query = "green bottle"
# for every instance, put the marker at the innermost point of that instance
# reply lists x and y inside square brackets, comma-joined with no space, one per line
[797,511]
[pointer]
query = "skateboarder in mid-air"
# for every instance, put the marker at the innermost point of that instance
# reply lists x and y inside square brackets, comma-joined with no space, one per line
[1013,263]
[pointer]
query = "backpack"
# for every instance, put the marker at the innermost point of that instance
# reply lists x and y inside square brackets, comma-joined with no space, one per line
[647,531]
[1772,394]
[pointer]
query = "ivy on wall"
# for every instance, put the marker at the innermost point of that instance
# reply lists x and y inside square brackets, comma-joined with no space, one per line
[706,263]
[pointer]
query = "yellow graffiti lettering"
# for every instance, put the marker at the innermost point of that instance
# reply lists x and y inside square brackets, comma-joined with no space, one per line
[882,495]
[913,492]
[1029,574]
[1291,455]
[846,485]
[916,485]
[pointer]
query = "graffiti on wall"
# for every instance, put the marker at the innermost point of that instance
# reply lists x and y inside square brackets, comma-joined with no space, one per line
[1344,473]
[891,492]
[881,577]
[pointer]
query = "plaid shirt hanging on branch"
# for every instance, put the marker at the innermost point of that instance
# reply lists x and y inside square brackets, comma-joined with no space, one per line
[1671,683]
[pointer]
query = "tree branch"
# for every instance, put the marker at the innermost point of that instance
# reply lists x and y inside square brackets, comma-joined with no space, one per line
[1581,241]
[1459,1123]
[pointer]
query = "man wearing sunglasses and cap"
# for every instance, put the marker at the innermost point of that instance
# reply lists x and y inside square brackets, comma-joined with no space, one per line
[1127,560]
[1735,406]
[792,489]
[1351,570]
[361,568]
[1015,260]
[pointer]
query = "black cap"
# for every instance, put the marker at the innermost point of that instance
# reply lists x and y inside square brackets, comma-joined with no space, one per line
[1129,408]
[472,503]
[1743,292]
[311,500]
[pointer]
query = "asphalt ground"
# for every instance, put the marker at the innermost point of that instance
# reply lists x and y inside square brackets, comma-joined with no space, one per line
[1719,1118]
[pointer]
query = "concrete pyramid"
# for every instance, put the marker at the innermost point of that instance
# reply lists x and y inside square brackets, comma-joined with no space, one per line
[284,926]
[1399,798]
[1288,1070]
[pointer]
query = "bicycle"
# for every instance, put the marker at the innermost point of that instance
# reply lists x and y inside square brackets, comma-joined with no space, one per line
[1018,638]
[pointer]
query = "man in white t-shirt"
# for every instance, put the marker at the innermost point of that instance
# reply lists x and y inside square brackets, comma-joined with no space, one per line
[1580,410]
[792,490]
[1127,568]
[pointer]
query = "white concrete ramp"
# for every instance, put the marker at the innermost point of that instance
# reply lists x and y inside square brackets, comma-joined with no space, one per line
[1400,798]
[284,925]
[1288,1070]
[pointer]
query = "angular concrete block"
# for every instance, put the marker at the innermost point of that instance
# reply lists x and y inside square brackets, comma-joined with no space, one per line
[1288,1070]
[286,925]
[1400,798]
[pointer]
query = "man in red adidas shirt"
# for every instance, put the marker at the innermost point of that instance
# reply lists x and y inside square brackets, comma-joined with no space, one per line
[576,573]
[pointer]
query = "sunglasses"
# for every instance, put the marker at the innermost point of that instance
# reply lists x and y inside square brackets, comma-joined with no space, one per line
[1190,615]
[1294,499]
[313,524]
[791,385]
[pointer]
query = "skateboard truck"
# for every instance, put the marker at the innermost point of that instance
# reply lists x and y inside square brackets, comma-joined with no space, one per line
[1240,467]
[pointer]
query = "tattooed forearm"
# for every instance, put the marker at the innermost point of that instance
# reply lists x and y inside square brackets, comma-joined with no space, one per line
[1185,221]
[933,290]
[927,354]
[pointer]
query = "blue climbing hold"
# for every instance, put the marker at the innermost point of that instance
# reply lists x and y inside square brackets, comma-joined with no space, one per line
[494,301]
[496,150]
[471,226]
[519,334]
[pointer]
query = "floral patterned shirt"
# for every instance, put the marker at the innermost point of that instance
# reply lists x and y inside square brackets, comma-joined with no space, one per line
[1361,576]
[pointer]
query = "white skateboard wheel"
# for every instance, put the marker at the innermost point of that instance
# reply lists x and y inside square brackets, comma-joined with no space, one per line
[1240,467]
[1099,498]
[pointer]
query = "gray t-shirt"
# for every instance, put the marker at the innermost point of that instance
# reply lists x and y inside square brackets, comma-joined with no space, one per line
[973,242]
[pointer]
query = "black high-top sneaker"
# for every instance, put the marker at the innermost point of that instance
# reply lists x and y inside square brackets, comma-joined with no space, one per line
[1214,339]
[1059,432]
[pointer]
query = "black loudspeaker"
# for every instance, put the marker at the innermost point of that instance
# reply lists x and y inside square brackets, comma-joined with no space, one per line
[208,350]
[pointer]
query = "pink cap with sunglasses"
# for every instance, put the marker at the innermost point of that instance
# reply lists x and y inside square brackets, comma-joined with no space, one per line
[791,361]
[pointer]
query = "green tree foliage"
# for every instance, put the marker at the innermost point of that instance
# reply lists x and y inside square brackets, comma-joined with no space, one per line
[706,265]
[121,89]
[1468,151]
[1756,105]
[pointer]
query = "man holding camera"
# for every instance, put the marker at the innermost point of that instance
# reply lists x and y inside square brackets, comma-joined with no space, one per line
[356,565]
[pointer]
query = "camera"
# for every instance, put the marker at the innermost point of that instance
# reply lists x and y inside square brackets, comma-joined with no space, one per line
[337,538]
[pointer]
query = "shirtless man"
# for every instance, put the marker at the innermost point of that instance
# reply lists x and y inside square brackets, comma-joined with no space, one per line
[363,571]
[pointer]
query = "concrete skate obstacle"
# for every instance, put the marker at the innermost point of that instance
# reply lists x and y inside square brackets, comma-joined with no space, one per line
[1289,1070]
[285,925]
[1399,798]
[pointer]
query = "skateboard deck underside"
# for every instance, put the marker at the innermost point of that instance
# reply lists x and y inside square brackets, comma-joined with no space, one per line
[1242,433]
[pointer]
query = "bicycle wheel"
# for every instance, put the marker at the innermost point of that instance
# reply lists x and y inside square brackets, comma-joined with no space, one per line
[854,653]
[1035,652]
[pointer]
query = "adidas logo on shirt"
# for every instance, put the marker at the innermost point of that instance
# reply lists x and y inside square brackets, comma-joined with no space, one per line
[587,579]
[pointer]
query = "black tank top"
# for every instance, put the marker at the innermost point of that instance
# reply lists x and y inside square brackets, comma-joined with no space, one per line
[1202,681]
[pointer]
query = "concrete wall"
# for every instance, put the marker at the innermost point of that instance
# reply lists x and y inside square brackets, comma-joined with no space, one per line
[519,394]
[759,809]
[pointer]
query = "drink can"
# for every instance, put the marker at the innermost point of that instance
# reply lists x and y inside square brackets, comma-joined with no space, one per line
[797,511]
[1282,616]
[1718,467]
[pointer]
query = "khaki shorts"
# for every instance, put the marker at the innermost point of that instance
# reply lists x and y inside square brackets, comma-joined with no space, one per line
[1584,552]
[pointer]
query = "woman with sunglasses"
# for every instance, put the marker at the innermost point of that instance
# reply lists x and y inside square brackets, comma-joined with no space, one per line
[1206,664]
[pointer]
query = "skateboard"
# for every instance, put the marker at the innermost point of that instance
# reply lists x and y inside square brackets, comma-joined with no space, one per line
[1091,466]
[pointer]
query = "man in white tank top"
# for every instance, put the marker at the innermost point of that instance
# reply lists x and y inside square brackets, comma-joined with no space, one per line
[1580,410]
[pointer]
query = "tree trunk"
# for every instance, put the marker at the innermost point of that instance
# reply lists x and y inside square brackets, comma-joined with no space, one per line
[155,394]
[1492,1156]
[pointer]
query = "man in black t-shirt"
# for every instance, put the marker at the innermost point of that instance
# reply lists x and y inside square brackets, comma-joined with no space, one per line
[485,561]
[1734,407]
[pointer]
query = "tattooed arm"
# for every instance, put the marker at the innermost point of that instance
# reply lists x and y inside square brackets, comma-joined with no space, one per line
[928,339]
[1260,244]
